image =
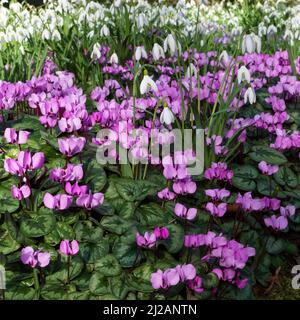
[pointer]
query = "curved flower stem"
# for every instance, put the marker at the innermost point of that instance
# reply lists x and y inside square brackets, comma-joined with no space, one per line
[36,283]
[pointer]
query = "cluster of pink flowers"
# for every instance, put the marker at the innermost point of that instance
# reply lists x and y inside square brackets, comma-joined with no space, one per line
[218,171]
[150,239]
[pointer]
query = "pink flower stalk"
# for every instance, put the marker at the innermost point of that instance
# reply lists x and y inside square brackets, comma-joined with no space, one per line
[182,212]
[57,202]
[267,168]
[35,258]
[89,200]
[148,240]
[12,136]
[216,210]
[276,223]
[69,248]
[71,146]
[20,193]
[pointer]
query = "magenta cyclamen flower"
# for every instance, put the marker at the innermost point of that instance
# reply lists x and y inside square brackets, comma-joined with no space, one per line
[12,136]
[276,223]
[218,171]
[182,212]
[57,202]
[250,204]
[69,248]
[71,146]
[161,233]
[267,168]
[89,200]
[75,189]
[20,193]
[71,173]
[166,194]
[196,285]
[35,258]
[288,211]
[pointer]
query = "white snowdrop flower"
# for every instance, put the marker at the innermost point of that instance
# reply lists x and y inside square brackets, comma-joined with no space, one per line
[250,96]
[271,30]
[46,34]
[262,30]
[191,70]
[251,43]
[224,57]
[166,116]
[114,59]
[157,52]
[141,20]
[147,84]
[104,32]
[170,43]
[140,52]
[56,35]
[117,3]
[243,74]
[96,53]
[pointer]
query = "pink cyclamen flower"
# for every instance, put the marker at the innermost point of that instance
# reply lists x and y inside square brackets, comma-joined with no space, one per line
[148,240]
[71,146]
[276,223]
[196,284]
[57,202]
[161,233]
[288,211]
[69,248]
[267,168]
[20,193]
[217,194]
[166,194]
[35,258]
[182,212]
[12,136]
[75,189]
[216,210]
[89,200]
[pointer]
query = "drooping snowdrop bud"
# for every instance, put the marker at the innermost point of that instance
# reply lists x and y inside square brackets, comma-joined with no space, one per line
[114,59]
[147,84]
[251,43]
[224,57]
[96,53]
[117,3]
[191,70]
[170,43]
[104,31]
[271,30]
[250,96]
[167,116]
[243,74]
[140,52]
[157,52]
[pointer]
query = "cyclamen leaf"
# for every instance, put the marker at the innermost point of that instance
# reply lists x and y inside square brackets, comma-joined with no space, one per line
[264,153]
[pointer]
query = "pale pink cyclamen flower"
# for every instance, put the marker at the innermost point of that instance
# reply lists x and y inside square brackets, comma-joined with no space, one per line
[161,233]
[20,193]
[166,194]
[148,240]
[71,146]
[288,211]
[12,136]
[57,202]
[216,210]
[267,168]
[35,258]
[90,200]
[182,212]
[276,223]
[75,189]
[69,248]
[217,194]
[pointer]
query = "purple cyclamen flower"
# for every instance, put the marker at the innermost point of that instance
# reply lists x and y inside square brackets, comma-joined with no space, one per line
[69,248]
[20,193]
[288,211]
[75,189]
[161,233]
[166,194]
[216,210]
[267,168]
[182,212]
[89,200]
[217,194]
[276,223]
[196,285]
[12,136]
[57,202]
[71,146]
[35,258]
[148,240]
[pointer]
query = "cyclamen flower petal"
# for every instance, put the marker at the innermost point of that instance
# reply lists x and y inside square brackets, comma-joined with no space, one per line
[69,248]
[71,146]
[12,136]
[20,193]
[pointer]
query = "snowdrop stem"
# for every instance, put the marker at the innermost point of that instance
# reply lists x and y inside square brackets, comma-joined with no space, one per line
[35,273]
